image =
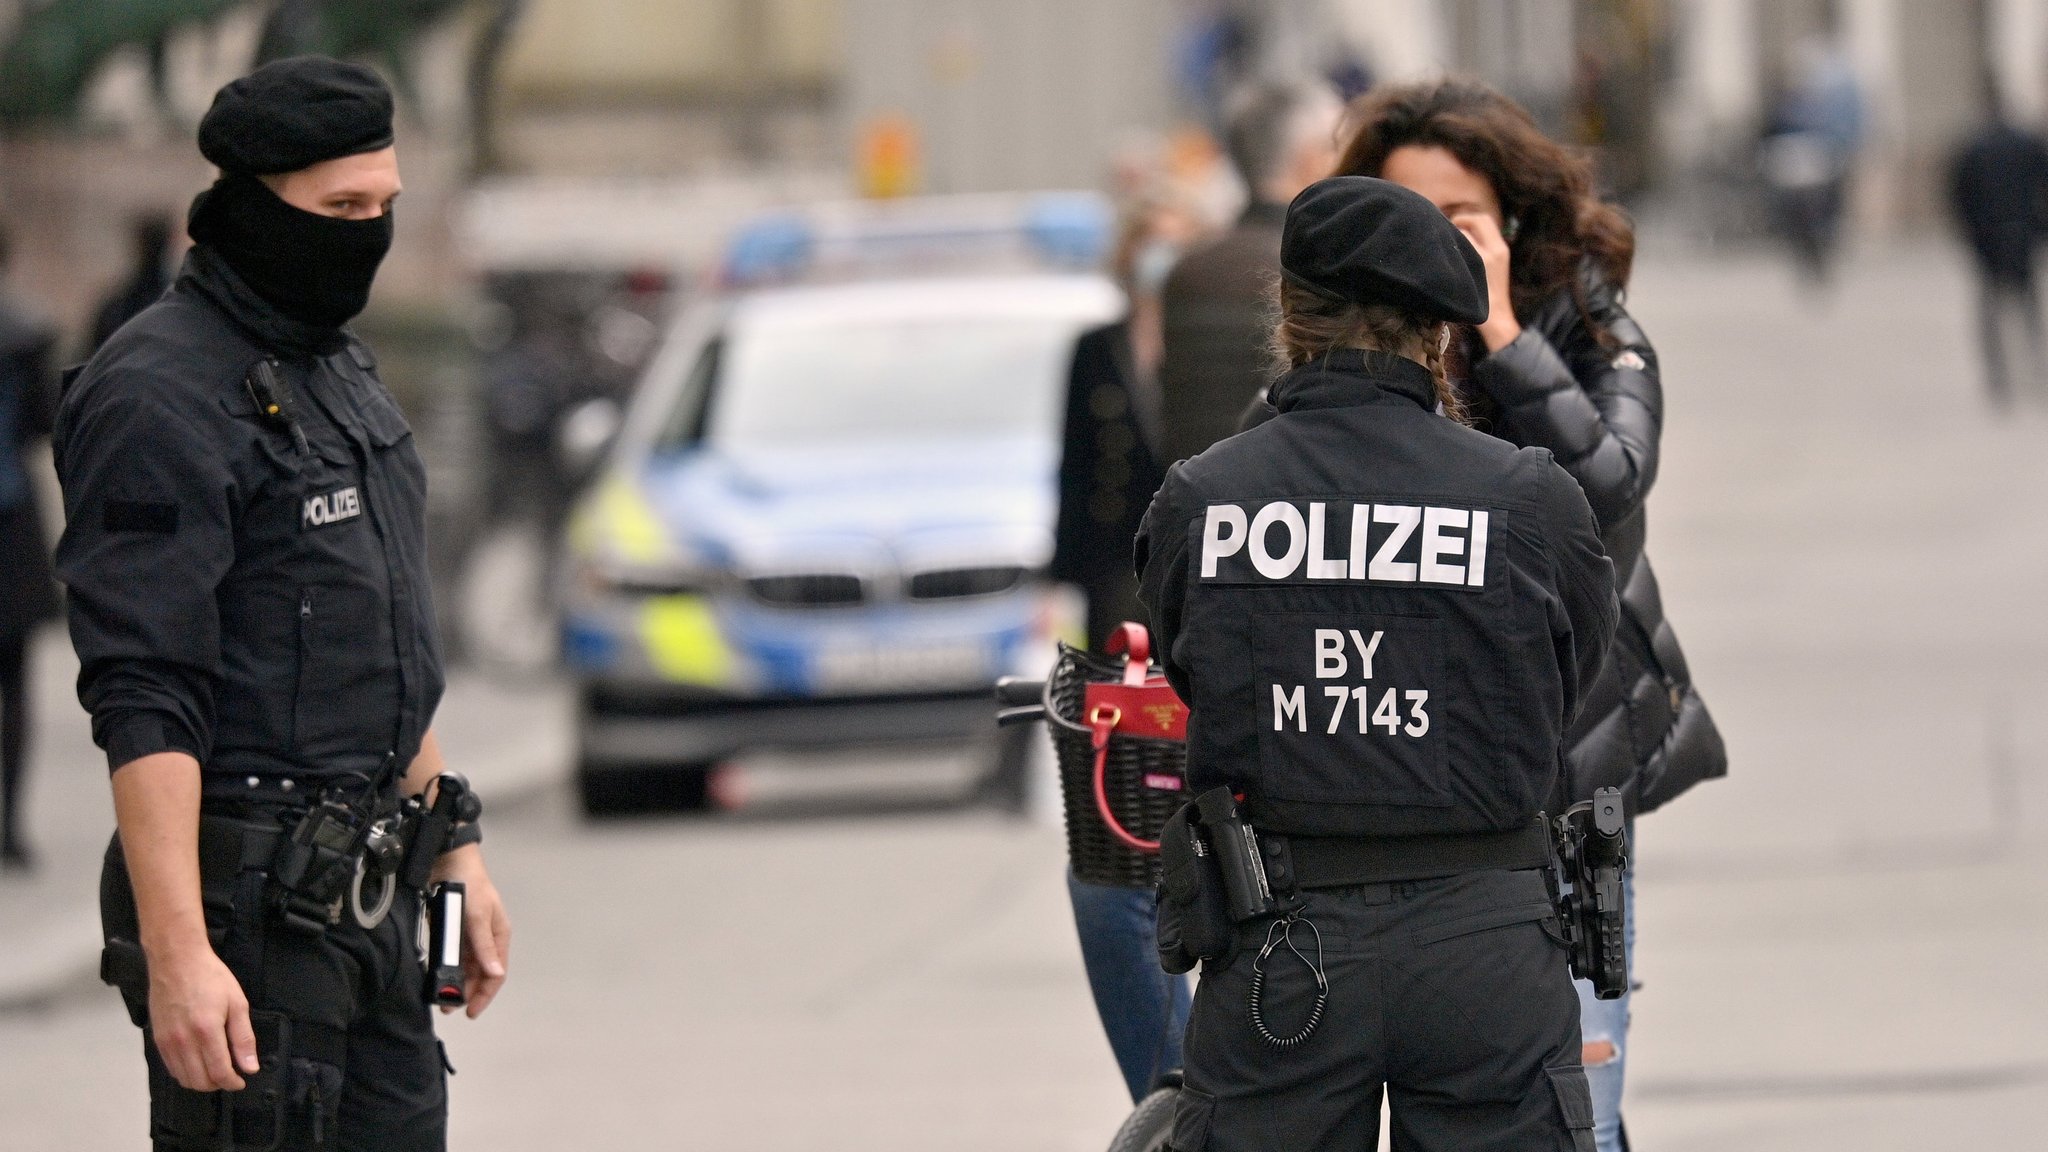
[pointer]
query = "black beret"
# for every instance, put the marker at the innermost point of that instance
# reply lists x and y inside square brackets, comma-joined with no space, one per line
[294,113]
[1370,241]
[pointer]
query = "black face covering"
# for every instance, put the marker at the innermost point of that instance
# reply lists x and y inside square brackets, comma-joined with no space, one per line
[315,269]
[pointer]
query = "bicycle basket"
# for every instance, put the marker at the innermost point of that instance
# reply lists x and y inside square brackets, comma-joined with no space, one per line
[1117,794]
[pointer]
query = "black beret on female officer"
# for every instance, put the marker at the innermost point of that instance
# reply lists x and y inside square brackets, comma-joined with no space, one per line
[1382,622]
[246,557]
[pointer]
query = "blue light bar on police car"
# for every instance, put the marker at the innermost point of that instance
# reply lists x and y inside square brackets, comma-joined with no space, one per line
[774,247]
[1071,228]
[927,234]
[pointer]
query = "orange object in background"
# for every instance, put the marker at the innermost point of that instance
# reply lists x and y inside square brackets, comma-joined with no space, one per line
[1191,153]
[888,159]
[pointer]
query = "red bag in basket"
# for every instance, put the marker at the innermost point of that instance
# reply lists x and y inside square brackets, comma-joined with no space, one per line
[1143,705]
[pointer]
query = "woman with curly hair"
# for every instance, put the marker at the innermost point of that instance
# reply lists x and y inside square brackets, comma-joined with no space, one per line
[1558,363]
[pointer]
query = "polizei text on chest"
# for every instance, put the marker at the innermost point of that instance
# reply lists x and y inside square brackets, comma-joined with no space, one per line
[332,507]
[1327,540]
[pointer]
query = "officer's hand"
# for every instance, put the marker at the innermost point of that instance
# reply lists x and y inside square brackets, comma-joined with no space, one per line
[486,931]
[199,1018]
[1501,326]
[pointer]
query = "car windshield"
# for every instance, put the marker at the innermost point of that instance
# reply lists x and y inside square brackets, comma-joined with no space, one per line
[794,382]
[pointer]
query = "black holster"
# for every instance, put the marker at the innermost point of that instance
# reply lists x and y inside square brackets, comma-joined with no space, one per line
[1195,921]
[1586,884]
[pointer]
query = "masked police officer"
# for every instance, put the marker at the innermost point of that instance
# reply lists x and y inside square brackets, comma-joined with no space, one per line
[1381,620]
[246,561]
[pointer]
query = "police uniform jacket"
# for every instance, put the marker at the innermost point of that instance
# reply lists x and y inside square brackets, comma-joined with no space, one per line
[258,602]
[1382,621]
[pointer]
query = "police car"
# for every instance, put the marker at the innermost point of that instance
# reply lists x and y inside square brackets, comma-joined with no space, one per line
[825,519]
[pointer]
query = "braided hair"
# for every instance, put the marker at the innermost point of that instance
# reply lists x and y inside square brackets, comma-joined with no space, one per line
[1311,325]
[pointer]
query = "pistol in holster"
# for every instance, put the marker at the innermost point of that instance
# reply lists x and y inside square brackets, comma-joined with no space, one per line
[1586,884]
[1214,876]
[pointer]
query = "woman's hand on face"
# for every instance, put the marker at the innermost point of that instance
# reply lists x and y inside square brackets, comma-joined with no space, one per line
[1501,326]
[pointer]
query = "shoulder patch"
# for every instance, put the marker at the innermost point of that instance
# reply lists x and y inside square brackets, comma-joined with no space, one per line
[1631,359]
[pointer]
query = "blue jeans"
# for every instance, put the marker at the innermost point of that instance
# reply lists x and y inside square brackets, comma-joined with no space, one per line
[1608,1020]
[1144,1011]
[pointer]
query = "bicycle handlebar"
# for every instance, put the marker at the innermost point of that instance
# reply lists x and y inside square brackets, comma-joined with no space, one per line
[1017,691]
[1022,700]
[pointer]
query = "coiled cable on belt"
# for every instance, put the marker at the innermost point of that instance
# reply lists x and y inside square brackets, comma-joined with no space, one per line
[1282,932]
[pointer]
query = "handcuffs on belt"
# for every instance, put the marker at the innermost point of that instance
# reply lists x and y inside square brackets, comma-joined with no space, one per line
[340,854]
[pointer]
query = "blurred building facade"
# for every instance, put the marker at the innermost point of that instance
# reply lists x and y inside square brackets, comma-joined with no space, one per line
[1008,95]
[960,95]
[663,87]
[1671,92]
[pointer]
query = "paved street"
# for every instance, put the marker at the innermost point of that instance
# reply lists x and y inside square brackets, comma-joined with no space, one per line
[1842,945]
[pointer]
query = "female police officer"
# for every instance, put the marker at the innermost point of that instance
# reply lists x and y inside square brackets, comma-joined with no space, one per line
[1382,621]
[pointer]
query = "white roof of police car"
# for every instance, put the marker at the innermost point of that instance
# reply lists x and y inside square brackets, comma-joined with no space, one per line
[1084,297]
[1088,299]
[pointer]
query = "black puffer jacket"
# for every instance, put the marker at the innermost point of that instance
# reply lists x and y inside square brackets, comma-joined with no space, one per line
[1599,407]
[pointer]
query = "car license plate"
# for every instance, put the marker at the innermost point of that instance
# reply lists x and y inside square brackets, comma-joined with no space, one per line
[900,667]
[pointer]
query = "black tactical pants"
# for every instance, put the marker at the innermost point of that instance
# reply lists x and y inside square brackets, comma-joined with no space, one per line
[1451,994]
[344,1036]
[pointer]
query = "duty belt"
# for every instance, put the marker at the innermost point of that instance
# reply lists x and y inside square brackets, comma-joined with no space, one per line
[217,788]
[315,855]
[231,846]
[1340,861]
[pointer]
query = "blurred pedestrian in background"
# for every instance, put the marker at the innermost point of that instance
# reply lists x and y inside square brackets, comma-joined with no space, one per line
[150,236]
[527,383]
[1214,54]
[28,595]
[1808,151]
[1109,469]
[1159,227]
[1559,364]
[1216,305]
[1109,462]
[1998,190]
